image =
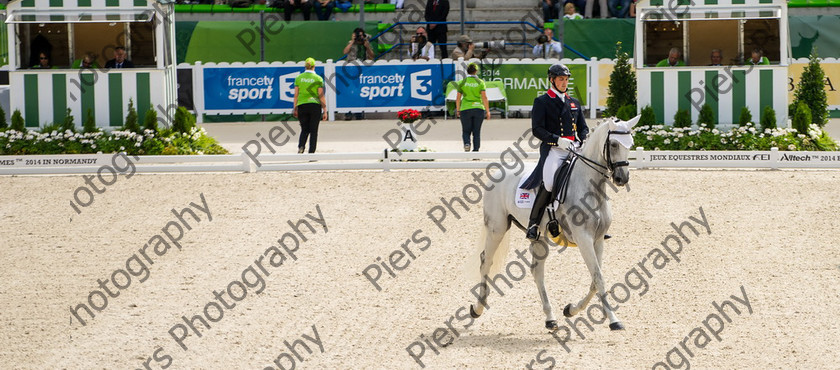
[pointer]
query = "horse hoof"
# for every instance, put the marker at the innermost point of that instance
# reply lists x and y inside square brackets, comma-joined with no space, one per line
[567,311]
[552,325]
[616,325]
[473,314]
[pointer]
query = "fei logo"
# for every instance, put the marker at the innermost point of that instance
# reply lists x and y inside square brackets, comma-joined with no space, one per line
[421,88]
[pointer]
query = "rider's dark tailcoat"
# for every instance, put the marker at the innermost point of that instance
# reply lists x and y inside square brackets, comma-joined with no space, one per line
[551,119]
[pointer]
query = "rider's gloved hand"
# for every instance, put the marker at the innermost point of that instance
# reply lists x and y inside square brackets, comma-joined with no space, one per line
[563,143]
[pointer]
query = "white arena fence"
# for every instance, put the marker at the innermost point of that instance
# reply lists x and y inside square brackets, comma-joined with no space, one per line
[60,164]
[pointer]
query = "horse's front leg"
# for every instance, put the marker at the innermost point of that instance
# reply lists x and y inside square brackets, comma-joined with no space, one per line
[539,254]
[593,263]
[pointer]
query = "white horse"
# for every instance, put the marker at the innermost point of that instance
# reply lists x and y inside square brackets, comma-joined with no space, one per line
[603,156]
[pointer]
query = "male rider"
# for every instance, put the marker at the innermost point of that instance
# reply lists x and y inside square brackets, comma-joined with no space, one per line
[557,120]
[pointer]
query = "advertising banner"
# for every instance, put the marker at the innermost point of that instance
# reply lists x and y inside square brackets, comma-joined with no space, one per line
[524,82]
[395,86]
[262,89]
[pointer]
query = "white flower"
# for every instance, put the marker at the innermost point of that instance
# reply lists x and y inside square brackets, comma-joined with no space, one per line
[691,144]
[93,146]
[667,141]
[752,130]
[137,145]
[676,139]
[650,137]
[791,147]
[122,148]
[715,131]
[723,141]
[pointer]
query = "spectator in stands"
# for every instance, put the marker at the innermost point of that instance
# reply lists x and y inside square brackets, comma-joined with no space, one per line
[421,48]
[571,12]
[290,5]
[472,107]
[465,48]
[716,58]
[43,61]
[87,62]
[758,58]
[119,60]
[310,105]
[547,46]
[359,46]
[619,8]
[673,59]
[323,9]
[551,9]
[590,4]
[437,11]
[632,13]
[343,5]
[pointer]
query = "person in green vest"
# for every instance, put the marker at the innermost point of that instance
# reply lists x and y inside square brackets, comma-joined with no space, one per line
[758,58]
[673,59]
[43,62]
[310,105]
[472,107]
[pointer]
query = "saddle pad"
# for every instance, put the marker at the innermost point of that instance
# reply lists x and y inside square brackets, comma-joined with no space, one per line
[525,197]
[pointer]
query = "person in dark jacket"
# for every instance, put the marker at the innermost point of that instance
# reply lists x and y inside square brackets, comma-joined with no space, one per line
[558,121]
[437,11]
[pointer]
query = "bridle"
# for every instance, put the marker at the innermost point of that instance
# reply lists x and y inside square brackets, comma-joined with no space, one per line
[611,166]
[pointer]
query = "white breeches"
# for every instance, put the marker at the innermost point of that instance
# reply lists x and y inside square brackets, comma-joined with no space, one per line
[556,156]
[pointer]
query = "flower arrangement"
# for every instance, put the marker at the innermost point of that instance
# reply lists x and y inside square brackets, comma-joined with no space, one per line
[747,137]
[408,115]
[149,142]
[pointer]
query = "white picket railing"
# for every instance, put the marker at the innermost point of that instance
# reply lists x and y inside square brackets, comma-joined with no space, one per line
[384,161]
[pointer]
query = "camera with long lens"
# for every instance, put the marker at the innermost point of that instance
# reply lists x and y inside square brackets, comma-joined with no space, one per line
[542,39]
[495,44]
[360,36]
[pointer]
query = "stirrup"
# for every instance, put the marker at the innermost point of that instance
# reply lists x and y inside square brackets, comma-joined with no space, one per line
[553,228]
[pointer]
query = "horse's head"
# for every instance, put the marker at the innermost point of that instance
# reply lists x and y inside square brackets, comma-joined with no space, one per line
[617,140]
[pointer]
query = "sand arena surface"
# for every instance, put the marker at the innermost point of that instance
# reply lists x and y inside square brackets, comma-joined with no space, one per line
[772,232]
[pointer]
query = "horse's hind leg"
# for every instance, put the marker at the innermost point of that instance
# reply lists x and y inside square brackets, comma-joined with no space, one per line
[539,254]
[494,233]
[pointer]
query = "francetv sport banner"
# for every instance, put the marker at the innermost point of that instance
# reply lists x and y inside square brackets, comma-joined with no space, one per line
[391,86]
[251,89]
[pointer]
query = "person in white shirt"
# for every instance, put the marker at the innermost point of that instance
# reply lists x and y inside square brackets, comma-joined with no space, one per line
[420,47]
[547,47]
[571,12]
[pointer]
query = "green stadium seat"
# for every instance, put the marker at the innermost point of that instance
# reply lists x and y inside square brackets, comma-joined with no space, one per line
[833,2]
[385,8]
[797,3]
[381,48]
[817,3]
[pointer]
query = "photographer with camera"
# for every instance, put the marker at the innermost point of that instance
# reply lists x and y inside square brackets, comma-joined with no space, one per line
[359,46]
[547,47]
[420,47]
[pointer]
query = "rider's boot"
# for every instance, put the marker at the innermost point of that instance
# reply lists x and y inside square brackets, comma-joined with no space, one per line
[542,200]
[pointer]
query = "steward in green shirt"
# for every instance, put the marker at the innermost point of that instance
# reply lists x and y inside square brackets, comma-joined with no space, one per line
[310,105]
[472,107]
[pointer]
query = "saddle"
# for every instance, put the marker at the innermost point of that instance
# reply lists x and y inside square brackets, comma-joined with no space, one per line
[558,196]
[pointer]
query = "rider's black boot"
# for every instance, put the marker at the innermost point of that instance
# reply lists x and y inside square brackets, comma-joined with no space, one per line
[542,200]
